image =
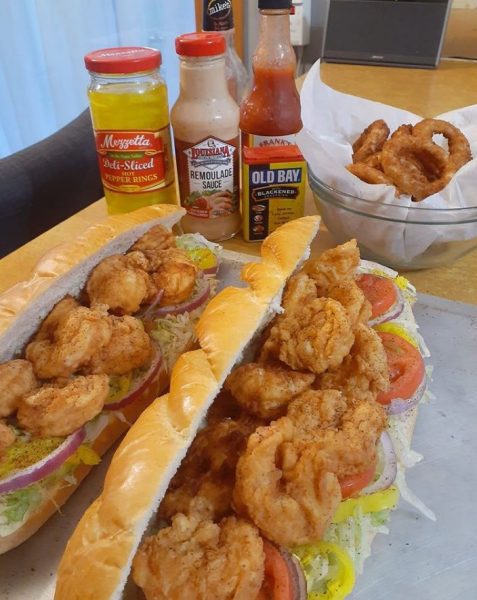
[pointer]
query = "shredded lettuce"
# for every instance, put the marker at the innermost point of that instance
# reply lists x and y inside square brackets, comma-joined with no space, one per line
[174,333]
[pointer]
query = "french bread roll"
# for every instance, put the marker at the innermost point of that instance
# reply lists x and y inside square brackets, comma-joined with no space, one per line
[64,270]
[98,557]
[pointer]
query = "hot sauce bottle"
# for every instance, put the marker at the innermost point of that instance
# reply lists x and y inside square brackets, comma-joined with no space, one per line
[270,113]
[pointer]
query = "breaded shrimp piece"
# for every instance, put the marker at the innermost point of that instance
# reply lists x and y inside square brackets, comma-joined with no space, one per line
[364,372]
[315,410]
[314,339]
[153,243]
[61,409]
[121,282]
[7,437]
[60,310]
[79,335]
[300,290]
[175,276]
[129,348]
[352,448]
[16,381]
[200,560]
[208,470]
[265,389]
[351,296]
[282,487]
[333,266]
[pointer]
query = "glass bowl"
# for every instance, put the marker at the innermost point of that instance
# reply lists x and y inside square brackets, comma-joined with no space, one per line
[400,237]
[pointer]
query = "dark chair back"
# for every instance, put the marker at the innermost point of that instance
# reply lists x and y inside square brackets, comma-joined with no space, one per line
[48,182]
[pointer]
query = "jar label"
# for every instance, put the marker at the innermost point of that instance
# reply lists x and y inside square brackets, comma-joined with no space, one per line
[217,15]
[134,161]
[208,176]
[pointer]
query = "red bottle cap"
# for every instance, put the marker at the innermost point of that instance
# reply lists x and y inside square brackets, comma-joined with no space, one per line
[200,44]
[127,59]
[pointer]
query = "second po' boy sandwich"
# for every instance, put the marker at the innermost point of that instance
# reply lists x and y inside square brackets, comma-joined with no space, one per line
[280,492]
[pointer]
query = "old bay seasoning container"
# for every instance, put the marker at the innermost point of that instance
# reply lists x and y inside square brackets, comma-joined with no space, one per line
[274,180]
[205,120]
[130,114]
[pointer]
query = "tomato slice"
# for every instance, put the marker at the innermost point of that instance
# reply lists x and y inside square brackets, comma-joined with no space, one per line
[277,584]
[406,368]
[380,291]
[352,484]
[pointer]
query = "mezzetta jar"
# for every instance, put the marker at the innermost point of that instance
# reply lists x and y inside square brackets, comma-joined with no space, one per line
[205,120]
[130,114]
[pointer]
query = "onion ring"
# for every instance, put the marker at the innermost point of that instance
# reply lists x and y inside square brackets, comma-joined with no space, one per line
[459,148]
[374,160]
[368,174]
[370,141]
[416,167]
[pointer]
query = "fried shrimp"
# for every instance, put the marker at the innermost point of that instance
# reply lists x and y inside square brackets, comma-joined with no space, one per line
[282,487]
[59,312]
[129,348]
[265,390]
[208,471]
[315,410]
[121,282]
[16,381]
[351,296]
[7,437]
[175,276]
[61,409]
[153,243]
[364,372]
[79,335]
[333,266]
[315,339]
[370,141]
[300,290]
[201,560]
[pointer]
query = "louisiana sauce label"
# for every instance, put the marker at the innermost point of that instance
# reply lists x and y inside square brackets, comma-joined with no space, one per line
[134,161]
[208,173]
[217,15]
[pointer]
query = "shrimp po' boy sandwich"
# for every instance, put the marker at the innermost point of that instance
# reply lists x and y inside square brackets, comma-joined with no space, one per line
[268,468]
[85,345]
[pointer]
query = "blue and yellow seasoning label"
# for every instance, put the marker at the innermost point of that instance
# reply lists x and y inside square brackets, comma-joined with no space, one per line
[273,189]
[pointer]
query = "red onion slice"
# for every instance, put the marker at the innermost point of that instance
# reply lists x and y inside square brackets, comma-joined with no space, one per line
[151,375]
[296,574]
[400,405]
[145,314]
[393,313]
[211,271]
[44,467]
[200,296]
[387,465]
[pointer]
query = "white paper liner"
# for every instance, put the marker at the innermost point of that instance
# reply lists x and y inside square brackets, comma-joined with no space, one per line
[332,121]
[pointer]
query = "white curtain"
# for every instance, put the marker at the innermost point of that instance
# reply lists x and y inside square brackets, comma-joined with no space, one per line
[42,43]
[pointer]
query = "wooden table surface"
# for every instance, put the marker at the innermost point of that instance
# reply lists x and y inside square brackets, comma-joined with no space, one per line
[425,92]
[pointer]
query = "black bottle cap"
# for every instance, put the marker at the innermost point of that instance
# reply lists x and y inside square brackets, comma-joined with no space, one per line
[274,4]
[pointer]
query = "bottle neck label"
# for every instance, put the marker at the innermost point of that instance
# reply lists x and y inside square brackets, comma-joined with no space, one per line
[217,15]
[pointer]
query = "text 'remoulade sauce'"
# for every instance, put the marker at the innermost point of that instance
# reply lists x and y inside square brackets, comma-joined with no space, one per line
[130,115]
[205,120]
[270,114]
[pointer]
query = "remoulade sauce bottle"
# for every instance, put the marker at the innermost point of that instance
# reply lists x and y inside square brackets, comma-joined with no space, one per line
[205,120]
[270,114]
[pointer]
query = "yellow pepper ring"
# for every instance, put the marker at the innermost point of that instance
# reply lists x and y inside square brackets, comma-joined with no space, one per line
[383,500]
[204,258]
[342,584]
